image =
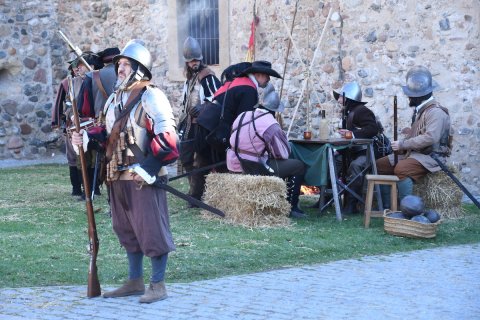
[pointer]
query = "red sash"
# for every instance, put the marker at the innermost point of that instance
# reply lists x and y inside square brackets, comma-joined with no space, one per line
[241,81]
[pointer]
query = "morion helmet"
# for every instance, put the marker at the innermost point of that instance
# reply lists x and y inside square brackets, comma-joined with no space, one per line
[192,50]
[135,50]
[419,82]
[352,91]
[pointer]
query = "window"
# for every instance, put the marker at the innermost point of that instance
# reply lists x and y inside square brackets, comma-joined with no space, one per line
[204,20]
[200,21]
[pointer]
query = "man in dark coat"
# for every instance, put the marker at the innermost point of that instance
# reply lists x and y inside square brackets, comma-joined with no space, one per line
[96,87]
[361,122]
[240,95]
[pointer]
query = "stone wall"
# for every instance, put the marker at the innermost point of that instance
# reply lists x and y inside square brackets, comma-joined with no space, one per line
[373,42]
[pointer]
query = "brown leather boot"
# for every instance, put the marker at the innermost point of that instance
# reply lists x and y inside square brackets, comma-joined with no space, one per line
[133,287]
[155,292]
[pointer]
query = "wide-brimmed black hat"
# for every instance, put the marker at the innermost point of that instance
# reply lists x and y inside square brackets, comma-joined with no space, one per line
[108,54]
[262,67]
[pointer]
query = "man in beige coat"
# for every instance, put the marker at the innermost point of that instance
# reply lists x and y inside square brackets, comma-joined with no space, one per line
[430,132]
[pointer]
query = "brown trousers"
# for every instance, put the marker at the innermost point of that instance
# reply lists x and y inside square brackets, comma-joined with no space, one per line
[140,218]
[408,167]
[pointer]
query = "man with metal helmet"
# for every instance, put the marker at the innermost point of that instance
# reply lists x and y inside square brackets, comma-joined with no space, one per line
[361,122]
[430,132]
[142,140]
[200,86]
[257,137]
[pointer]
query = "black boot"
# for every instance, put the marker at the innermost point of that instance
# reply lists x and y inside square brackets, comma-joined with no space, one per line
[350,201]
[294,184]
[75,180]
[350,205]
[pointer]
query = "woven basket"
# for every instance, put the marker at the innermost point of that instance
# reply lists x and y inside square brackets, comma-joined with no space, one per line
[408,228]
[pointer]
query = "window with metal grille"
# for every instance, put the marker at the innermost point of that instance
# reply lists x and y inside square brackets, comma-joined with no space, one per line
[199,19]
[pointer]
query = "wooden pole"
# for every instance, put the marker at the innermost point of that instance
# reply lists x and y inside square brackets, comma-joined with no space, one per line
[279,115]
[395,127]
[309,70]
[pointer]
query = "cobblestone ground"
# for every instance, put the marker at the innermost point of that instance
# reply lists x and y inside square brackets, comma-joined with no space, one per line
[438,283]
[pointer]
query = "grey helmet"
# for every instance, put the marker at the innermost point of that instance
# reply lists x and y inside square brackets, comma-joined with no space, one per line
[419,82]
[270,99]
[135,50]
[352,91]
[192,50]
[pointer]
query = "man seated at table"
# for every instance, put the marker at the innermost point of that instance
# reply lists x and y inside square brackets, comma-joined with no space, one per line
[257,136]
[361,122]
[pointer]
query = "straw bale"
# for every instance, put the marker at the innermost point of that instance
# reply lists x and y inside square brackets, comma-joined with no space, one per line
[252,201]
[441,194]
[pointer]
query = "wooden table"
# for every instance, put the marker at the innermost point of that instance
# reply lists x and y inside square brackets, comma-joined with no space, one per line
[338,187]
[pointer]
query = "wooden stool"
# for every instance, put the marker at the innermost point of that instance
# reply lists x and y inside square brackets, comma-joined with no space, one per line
[374,179]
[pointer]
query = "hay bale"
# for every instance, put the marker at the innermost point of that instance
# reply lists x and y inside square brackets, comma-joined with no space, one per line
[252,201]
[440,193]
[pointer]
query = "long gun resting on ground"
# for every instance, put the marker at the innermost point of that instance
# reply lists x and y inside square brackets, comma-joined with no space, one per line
[93,287]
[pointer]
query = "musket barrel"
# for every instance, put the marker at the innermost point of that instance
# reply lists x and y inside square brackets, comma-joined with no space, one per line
[76,50]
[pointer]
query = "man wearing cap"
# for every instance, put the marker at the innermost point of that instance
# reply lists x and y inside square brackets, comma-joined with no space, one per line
[430,132]
[142,141]
[62,113]
[257,136]
[96,87]
[200,86]
[361,122]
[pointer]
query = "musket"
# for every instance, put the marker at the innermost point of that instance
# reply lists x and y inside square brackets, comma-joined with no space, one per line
[75,49]
[137,169]
[450,174]
[198,170]
[93,288]
[395,127]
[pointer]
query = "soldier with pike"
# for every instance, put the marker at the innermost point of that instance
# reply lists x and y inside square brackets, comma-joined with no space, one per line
[142,140]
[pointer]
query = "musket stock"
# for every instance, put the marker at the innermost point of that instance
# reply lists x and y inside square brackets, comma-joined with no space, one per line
[93,287]
[395,127]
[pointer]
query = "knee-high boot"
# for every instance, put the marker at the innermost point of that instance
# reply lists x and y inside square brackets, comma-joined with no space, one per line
[405,188]
[351,202]
[75,180]
[294,184]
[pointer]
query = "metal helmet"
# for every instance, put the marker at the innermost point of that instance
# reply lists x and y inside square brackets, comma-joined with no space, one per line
[419,82]
[412,205]
[192,50]
[352,91]
[270,99]
[135,50]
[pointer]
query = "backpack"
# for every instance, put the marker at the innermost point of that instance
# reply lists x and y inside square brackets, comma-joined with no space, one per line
[382,146]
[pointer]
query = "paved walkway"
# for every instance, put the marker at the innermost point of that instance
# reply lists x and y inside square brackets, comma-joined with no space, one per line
[441,283]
